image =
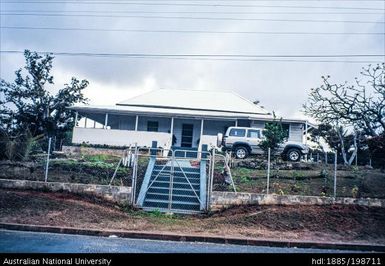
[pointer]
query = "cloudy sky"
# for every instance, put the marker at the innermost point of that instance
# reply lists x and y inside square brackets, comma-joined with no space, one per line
[239,27]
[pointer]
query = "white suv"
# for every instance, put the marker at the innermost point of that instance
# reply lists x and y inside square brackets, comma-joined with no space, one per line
[244,141]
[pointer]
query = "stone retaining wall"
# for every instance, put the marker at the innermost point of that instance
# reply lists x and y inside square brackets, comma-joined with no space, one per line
[219,200]
[115,194]
[226,199]
[76,150]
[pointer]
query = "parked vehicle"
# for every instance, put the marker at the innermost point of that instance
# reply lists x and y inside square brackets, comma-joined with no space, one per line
[244,141]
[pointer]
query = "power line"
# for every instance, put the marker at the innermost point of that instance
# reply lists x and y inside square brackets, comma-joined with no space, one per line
[105,1]
[250,60]
[187,4]
[196,12]
[201,58]
[200,55]
[194,18]
[191,31]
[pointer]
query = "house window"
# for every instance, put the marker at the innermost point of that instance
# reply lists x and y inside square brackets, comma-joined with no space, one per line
[237,132]
[152,126]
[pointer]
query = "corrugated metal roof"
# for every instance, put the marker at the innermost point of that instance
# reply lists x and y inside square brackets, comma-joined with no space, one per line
[188,103]
[156,111]
[222,101]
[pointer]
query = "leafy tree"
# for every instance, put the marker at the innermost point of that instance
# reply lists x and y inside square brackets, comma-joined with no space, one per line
[27,105]
[361,106]
[377,149]
[274,135]
[353,111]
[338,139]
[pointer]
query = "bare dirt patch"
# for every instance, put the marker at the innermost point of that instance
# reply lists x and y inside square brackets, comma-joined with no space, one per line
[312,223]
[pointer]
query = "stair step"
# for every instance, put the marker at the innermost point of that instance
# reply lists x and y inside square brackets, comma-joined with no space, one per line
[168,171]
[177,169]
[165,210]
[174,202]
[178,191]
[192,176]
[176,195]
[175,185]
[197,177]
[176,179]
[174,207]
[166,197]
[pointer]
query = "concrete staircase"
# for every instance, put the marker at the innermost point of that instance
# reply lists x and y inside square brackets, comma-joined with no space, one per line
[182,186]
[174,186]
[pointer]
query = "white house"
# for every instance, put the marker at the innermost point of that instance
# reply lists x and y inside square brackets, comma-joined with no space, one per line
[174,118]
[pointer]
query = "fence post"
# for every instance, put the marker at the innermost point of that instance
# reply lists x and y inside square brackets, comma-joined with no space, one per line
[47,163]
[268,171]
[335,175]
[134,175]
[211,178]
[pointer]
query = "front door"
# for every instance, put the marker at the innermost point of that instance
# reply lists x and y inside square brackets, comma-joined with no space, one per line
[187,135]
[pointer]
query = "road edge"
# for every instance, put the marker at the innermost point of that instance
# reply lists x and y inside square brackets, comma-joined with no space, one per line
[194,238]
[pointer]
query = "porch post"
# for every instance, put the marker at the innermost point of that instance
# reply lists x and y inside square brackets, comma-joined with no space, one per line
[202,123]
[236,122]
[76,119]
[85,123]
[106,121]
[200,147]
[136,122]
[172,130]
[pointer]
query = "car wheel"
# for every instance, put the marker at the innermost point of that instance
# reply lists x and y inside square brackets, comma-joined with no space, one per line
[293,155]
[241,152]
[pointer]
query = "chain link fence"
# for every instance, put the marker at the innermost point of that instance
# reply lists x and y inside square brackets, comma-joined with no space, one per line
[39,161]
[320,175]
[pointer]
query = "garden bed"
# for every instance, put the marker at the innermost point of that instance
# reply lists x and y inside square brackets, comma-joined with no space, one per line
[308,179]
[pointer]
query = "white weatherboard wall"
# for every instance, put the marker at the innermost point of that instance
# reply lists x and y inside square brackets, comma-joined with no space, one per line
[115,137]
[296,132]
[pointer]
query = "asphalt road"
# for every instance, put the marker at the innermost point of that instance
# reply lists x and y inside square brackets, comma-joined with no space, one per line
[34,242]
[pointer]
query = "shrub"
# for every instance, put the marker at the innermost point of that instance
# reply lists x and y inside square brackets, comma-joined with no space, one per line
[18,148]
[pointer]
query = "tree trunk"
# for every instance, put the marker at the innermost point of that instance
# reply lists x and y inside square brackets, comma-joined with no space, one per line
[354,154]
[341,137]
